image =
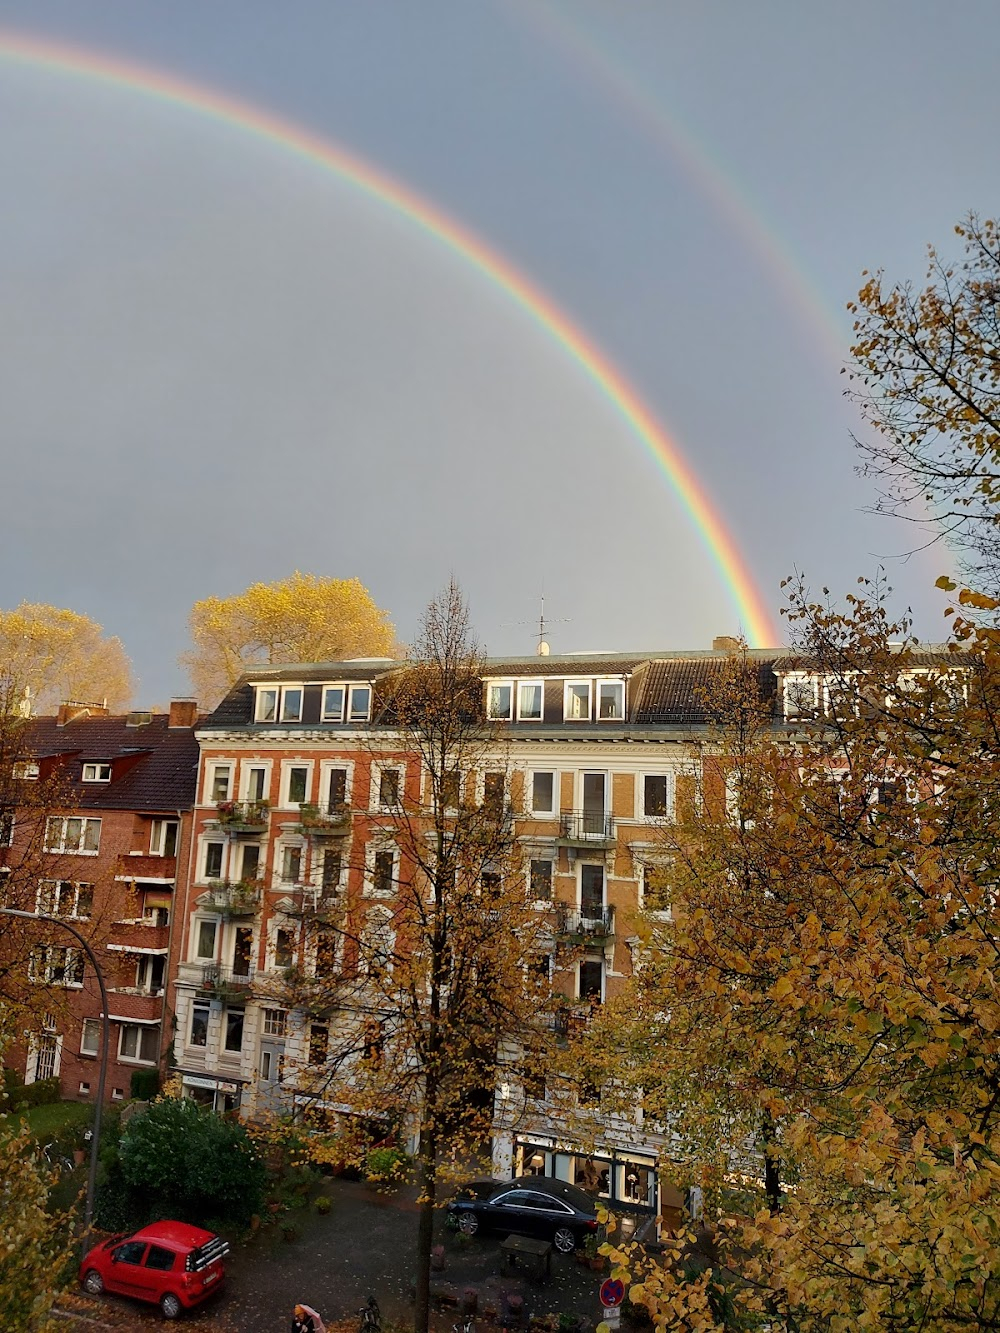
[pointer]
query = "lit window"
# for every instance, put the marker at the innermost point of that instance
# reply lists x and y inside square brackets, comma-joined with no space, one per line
[577,702]
[333,703]
[361,703]
[97,772]
[291,703]
[500,701]
[529,702]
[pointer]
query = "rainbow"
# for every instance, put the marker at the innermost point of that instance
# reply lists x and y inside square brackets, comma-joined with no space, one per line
[19,49]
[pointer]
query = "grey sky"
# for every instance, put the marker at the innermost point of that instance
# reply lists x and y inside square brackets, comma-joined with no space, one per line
[220,364]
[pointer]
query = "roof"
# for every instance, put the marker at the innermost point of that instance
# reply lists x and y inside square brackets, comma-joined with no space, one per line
[161,761]
[181,1235]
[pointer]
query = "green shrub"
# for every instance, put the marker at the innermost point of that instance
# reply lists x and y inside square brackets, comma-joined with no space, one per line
[40,1093]
[386,1164]
[145,1084]
[323,1204]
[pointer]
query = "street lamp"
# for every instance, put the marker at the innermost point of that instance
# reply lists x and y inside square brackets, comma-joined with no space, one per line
[105,1042]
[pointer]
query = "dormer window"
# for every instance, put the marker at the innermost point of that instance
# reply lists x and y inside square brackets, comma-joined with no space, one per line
[577,701]
[267,705]
[801,695]
[97,772]
[291,703]
[611,700]
[334,697]
[529,701]
[360,703]
[500,701]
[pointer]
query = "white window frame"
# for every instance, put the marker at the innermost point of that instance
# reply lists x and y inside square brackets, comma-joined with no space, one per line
[670,798]
[35,1040]
[595,865]
[140,1029]
[96,772]
[41,968]
[274,926]
[289,845]
[274,1027]
[618,685]
[577,684]
[497,685]
[327,715]
[556,784]
[60,846]
[376,791]
[795,679]
[583,999]
[49,898]
[286,690]
[197,1004]
[249,766]
[286,803]
[385,928]
[205,877]
[27,770]
[211,768]
[530,685]
[158,836]
[94,1026]
[196,924]
[355,714]
[551,861]
[328,766]
[261,693]
[369,890]
[143,978]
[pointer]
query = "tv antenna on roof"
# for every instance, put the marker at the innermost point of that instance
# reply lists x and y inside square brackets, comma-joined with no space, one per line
[543,648]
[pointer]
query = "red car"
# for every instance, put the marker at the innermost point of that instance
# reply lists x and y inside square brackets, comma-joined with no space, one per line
[170,1264]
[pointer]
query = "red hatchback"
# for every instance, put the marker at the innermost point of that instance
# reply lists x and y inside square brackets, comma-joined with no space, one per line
[169,1264]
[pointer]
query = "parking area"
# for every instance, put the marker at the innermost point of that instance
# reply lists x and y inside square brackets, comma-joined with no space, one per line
[365,1244]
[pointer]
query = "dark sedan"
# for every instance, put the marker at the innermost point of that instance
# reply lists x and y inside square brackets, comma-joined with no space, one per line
[539,1206]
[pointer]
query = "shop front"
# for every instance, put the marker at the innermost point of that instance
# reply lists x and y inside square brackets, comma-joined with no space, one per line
[221,1095]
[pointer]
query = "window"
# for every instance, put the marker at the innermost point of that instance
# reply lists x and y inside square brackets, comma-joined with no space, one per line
[655,797]
[655,887]
[97,772]
[256,783]
[64,898]
[250,862]
[27,771]
[451,789]
[291,864]
[275,1022]
[611,700]
[333,703]
[90,1037]
[326,954]
[388,788]
[242,951]
[332,864]
[234,1030]
[296,784]
[149,973]
[361,703]
[291,703]
[267,705]
[284,948]
[336,790]
[383,874]
[540,879]
[221,778]
[801,695]
[84,905]
[213,860]
[82,836]
[591,890]
[500,701]
[206,932]
[130,1253]
[139,1042]
[577,701]
[199,1023]
[6,828]
[542,793]
[56,966]
[494,792]
[160,1259]
[529,702]
[379,941]
[591,984]
[319,1043]
[163,837]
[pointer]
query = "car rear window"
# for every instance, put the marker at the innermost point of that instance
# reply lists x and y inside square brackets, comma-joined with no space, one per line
[160,1258]
[206,1254]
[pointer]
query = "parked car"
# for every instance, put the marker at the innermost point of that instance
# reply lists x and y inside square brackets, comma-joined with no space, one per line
[170,1264]
[539,1206]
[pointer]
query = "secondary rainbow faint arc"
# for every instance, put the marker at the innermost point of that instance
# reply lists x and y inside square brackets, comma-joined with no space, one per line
[29,51]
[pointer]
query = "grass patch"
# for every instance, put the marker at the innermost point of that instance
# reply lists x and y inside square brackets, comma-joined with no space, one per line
[58,1120]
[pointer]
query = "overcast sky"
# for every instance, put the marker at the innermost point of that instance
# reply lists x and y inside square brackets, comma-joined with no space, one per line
[220,363]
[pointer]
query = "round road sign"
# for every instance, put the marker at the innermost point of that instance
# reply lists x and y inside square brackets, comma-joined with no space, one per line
[612,1291]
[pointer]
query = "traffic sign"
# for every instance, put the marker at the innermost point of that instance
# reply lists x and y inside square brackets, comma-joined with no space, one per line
[612,1314]
[612,1291]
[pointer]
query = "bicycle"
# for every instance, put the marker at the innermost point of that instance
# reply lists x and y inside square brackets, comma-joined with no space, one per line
[371,1317]
[466,1325]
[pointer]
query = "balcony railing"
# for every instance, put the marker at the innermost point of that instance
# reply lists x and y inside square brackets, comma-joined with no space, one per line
[242,816]
[585,828]
[239,897]
[588,923]
[333,821]
[219,980]
[142,934]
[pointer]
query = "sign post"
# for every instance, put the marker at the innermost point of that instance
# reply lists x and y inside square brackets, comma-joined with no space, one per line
[612,1294]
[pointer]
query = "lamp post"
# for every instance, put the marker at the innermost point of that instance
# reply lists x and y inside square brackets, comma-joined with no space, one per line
[105,1042]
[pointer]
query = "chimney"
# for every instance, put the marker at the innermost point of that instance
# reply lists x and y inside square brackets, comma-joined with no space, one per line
[71,709]
[725,643]
[183,712]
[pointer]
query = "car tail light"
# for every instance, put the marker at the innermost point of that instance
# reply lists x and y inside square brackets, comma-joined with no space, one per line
[592,1224]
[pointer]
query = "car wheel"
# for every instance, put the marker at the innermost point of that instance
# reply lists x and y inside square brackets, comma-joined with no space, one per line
[564,1240]
[170,1305]
[93,1283]
[468,1224]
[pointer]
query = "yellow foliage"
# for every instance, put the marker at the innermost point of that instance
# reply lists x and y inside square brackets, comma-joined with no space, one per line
[56,655]
[304,618]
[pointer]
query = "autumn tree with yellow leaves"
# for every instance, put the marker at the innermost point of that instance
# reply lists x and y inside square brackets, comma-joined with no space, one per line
[54,654]
[818,1024]
[304,618]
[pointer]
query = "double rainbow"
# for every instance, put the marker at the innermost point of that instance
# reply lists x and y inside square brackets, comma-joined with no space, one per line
[19,49]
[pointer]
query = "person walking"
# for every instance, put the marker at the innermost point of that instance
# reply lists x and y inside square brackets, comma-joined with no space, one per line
[307,1320]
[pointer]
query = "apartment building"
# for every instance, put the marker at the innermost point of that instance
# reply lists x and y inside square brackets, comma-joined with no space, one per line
[109,868]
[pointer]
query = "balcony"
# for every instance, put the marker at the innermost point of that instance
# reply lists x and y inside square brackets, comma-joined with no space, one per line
[324,821]
[242,816]
[585,828]
[292,988]
[141,935]
[225,982]
[239,897]
[590,923]
[159,869]
[308,900]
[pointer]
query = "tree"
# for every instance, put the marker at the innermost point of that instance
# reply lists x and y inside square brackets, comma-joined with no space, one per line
[926,375]
[818,1022]
[304,618]
[36,1244]
[433,996]
[54,654]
